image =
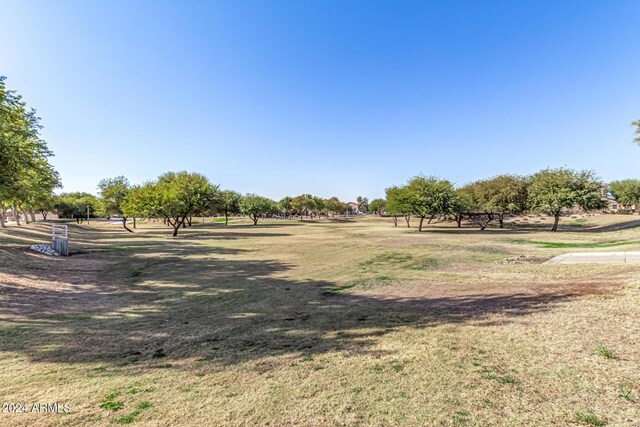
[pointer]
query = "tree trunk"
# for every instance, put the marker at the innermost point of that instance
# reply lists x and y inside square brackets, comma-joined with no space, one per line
[176,225]
[420,225]
[33,215]
[556,220]
[489,219]
[134,222]
[431,219]
[226,218]
[255,219]
[501,219]
[189,220]
[44,215]
[459,220]
[16,215]
[124,224]
[395,220]
[2,223]
[408,219]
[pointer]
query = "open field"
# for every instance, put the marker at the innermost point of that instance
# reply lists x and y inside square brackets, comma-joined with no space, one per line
[345,322]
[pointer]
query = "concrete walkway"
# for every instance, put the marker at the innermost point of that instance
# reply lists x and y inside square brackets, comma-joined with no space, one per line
[597,258]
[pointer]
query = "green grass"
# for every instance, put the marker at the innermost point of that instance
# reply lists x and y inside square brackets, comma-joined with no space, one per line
[111,405]
[128,419]
[589,418]
[605,352]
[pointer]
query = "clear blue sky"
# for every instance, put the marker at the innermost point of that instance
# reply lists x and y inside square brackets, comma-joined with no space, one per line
[328,97]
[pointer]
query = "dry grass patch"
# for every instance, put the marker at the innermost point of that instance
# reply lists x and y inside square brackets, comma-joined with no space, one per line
[297,323]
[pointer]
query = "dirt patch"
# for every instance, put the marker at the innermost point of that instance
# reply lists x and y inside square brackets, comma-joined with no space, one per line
[523,259]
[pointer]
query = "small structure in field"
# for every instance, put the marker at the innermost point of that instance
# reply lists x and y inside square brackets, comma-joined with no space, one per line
[60,239]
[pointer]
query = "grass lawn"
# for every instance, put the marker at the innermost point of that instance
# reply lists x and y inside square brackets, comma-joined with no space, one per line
[322,323]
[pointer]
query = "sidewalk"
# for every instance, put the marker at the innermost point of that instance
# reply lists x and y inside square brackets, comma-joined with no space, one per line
[597,258]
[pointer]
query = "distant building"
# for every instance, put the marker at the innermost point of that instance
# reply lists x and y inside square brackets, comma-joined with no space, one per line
[353,207]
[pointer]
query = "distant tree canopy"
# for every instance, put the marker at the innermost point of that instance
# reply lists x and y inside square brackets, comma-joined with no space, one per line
[257,206]
[496,196]
[27,180]
[398,204]
[74,205]
[430,197]
[552,190]
[229,204]
[377,206]
[626,192]
[637,132]
[113,193]
[174,196]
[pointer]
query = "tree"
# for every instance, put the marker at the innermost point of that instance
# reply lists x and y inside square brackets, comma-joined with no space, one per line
[363,204]
[229,203]
[44,204]
[334,206]
[142,201]
[25,173]
[500,195]
[377,206]
[430,197]
[174,196]
[552,190]
[303,204]
[637,125]
[285,206]
[74,205]
[626,192]
[461,205]
[113,193]
[398,204]
[257,206]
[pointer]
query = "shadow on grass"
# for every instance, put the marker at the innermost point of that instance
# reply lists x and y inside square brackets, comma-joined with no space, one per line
[185,301]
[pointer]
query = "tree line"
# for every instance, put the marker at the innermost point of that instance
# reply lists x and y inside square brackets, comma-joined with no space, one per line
[549,191]
[27,182]
[176,197]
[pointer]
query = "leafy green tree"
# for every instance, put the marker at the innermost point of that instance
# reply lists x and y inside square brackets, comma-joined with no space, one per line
[303,204]
[229,204]
[174,196]
[183,194]
[142,201]
[637,126]
[285,206]
[74,205]
[45,204]
[318,207]
[552,190]
[461,205]
[626,192]
[25,173]
[334,206]
[377,206]
[113,193]
[257,206]
[399,204]
[499,195]
[430,197]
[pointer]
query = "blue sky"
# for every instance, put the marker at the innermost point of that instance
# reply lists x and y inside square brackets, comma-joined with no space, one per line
[327,97]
